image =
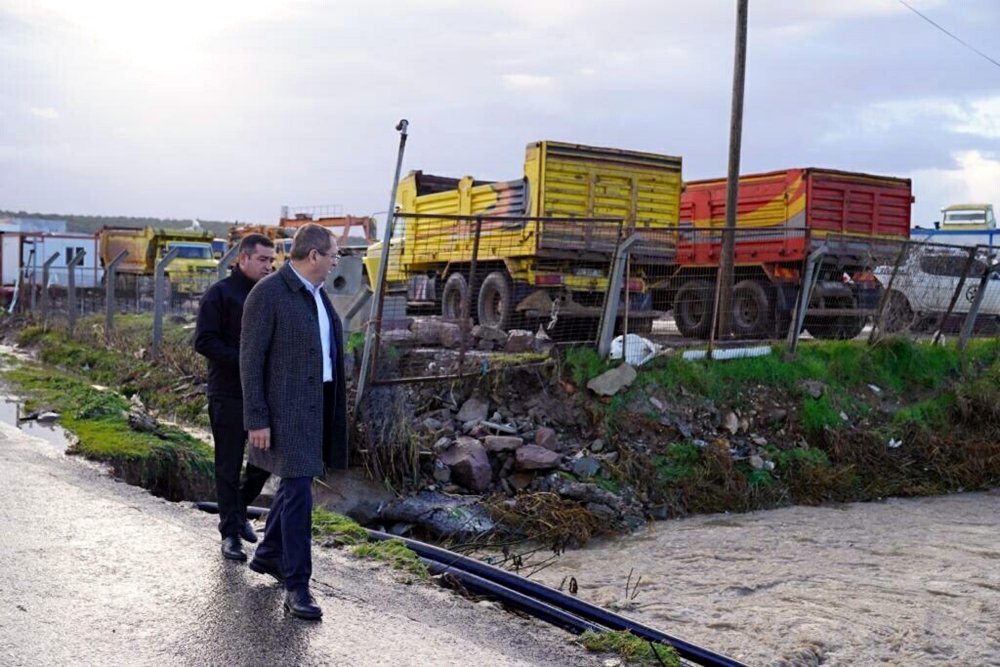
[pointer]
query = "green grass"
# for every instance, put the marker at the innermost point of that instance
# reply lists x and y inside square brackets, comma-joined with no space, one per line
[678,463]
[171,464]
[584,364]
[634,650]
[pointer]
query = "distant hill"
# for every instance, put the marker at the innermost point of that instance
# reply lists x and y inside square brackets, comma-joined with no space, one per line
[89,224]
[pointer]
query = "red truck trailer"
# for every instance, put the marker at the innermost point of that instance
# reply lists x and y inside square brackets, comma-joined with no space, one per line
[782,217]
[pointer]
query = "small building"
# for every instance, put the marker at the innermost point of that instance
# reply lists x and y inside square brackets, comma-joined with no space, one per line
[24,253]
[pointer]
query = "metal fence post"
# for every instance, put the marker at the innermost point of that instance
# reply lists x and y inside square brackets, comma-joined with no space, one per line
[374,329]
[977,302]
[956,295]
[45,287]
[612,298]
[805,293]
[223,268]
[876,331]
[110,279]
[71,288]
[33,263]
[159,292]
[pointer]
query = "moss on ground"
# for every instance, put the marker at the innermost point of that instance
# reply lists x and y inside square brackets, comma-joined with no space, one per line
[633,650]
[340,531]
[337,528]
[170,463]
[396,554]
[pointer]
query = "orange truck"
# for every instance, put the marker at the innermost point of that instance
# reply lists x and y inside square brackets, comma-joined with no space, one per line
[783,217]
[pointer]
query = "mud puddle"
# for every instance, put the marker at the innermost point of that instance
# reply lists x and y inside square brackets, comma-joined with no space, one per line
[899,582]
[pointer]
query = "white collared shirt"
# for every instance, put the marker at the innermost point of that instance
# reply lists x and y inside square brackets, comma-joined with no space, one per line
[324,323]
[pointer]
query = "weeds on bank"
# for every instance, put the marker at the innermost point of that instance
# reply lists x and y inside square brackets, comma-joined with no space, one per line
[170,464]
[173,386]
[634,650]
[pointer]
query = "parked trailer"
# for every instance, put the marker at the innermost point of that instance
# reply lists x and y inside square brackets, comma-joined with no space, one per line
[540,250]
[783,217]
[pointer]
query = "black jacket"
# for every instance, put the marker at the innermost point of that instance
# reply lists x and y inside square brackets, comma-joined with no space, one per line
[217,335]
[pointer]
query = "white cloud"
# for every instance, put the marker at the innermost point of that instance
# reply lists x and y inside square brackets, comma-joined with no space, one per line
[527,81]
[46,113]
[979,117]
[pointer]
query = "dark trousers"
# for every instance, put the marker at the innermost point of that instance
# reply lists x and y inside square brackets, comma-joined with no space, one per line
[226,416]
[288,532]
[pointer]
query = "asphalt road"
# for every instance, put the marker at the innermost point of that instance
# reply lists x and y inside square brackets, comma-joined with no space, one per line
[93,571]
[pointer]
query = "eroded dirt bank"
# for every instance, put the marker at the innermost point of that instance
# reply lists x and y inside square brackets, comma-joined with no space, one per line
[899,582]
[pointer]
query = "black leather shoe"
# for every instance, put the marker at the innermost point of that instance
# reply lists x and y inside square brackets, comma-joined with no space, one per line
[271,566]
[233,549]
[300,603]
[248,533]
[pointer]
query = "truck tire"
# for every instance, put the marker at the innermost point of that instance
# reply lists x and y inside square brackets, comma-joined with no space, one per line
[693,308]
[898,314]
[453,296]
[496,303]
[751,309]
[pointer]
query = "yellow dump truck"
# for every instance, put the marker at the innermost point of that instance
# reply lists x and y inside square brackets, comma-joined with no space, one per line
[546,240]
[191,271]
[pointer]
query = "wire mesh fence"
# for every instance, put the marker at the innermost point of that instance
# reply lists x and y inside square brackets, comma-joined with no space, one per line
[459,289]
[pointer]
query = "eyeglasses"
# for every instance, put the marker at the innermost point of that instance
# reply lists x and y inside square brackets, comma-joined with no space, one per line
[336,255]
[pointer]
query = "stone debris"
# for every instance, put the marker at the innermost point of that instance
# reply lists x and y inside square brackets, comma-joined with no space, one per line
[611,382]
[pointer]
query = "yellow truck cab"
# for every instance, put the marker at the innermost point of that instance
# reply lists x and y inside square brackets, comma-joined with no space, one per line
[968,217]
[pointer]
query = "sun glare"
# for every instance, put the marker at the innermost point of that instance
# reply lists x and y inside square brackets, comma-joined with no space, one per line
[169,37]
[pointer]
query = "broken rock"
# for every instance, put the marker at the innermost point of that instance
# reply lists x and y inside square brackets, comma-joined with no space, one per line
[469,464]
[533,457]
[611,382]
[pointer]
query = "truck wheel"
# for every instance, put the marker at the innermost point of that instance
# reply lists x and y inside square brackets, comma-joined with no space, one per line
[693,308]
[496,304]
[751,309]
[898,314]
[453,296]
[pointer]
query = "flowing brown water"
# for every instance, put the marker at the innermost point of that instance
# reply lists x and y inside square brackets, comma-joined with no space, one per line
[899,582]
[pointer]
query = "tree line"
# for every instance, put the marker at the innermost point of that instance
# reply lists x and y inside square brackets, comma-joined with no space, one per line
[91,224]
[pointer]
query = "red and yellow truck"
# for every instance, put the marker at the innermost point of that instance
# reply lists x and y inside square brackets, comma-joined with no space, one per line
[782,217]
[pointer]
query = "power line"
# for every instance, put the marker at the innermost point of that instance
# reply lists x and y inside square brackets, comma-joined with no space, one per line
[950,34]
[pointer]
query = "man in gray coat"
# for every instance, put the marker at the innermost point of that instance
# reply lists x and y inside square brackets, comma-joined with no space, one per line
[294,403]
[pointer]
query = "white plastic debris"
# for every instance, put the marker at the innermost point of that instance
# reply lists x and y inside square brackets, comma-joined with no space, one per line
[638,350]
[729,353]
[893,443]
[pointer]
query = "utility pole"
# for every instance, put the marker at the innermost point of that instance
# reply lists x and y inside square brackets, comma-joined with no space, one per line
[723,303]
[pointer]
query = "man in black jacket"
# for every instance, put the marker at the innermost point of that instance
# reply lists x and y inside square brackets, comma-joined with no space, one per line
[217,337]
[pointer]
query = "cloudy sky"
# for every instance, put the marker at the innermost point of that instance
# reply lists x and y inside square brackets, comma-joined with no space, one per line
[229,109]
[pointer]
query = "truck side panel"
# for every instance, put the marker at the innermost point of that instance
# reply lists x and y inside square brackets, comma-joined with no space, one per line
[783,206]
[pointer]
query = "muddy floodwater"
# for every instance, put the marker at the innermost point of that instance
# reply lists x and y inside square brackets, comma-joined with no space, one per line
[899,582]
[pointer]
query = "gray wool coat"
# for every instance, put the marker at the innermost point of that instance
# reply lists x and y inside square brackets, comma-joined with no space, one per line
[281,368]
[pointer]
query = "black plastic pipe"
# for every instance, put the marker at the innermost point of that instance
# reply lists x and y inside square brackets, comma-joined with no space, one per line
[546,612]
[539,600]
[454,562]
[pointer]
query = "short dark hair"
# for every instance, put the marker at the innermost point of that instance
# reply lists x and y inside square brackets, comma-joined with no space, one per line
[311,237]
[250,242]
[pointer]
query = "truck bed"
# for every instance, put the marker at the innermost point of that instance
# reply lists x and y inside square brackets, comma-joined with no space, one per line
[783,215]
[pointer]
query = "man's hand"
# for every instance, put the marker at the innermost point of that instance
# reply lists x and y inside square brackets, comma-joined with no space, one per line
[261,438]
